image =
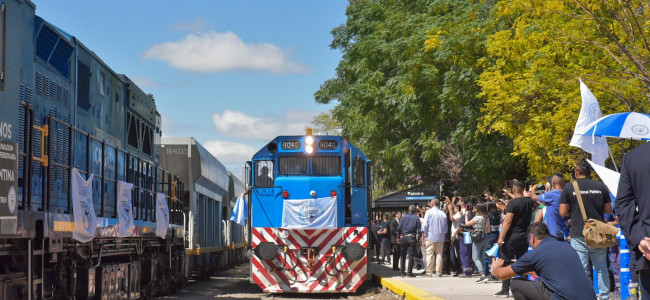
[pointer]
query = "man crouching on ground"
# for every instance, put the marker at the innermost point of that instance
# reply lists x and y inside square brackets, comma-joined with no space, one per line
[557,265]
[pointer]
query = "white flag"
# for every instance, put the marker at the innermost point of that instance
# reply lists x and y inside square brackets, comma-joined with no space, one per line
[609,177]
[162,215]
[589,112]
[85,219]
[240,211]
[124,209]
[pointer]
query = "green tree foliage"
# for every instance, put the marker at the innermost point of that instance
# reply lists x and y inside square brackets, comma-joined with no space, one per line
[531,84]
[406,90]
[324,124]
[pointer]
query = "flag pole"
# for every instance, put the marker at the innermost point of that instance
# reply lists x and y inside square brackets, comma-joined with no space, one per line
[612,157]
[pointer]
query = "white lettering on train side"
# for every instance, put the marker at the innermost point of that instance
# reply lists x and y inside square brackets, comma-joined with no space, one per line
[7,175]
[5,130]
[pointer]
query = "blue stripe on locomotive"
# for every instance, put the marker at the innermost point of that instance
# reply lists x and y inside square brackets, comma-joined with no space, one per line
[267,202]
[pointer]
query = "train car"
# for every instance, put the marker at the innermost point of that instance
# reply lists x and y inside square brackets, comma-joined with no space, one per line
[208,192]
[66,117]
[309,213]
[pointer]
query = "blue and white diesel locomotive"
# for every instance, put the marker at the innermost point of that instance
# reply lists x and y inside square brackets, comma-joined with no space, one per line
[309,213]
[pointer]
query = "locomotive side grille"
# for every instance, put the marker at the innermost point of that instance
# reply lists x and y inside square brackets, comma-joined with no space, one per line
[46,87]
[66,153]
[37,147]
[66,97]
[58,92]
[28,95]
[39,83]
[53,90]
[21,126]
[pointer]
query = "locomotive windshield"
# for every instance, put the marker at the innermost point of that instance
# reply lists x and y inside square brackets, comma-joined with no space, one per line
[292,165]
[264,173]
[326,166]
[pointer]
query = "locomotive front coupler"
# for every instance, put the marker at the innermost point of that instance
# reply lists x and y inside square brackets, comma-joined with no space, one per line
[307,250]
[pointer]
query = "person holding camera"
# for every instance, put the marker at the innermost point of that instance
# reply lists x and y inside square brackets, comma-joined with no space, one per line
[454,247]
[465,249]
[551,199]
[514,229]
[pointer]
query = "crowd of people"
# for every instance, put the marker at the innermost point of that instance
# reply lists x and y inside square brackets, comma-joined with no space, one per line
[450,237]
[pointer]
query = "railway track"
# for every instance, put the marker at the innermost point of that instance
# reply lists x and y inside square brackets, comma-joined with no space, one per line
[234,284]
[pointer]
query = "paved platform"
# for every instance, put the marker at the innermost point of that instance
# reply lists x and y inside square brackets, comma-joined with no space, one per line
[435,288]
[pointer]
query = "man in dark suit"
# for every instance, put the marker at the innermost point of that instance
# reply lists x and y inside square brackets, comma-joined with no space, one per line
[375,246]
[633,209]
[393,240]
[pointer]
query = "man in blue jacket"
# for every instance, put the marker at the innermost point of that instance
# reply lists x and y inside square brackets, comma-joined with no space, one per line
[407,231]
[556,264]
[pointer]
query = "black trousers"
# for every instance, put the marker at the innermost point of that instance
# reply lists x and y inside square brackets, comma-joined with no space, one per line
[509,251]
[408,247]
[397,253]
[446,261]
[529,290]
[454,257]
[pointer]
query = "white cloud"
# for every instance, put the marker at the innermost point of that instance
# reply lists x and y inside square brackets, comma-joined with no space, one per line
[213,52]
[198,25]
[230,153]
[240,125]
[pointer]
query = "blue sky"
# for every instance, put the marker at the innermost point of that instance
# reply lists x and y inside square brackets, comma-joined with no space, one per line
[232,74]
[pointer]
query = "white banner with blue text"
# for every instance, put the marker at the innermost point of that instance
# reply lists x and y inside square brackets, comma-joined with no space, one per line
[124,209]
[85,218]
[162,215]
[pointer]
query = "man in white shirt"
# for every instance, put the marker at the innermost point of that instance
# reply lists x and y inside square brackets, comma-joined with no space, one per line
[434,228]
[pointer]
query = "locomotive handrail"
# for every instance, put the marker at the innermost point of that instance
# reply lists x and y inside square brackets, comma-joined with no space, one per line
[45,132]
[101,250]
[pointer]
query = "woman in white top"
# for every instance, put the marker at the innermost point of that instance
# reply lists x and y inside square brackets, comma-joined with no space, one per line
[479,222]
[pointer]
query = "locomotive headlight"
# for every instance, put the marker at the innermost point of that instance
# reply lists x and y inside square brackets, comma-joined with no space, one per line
[309,149]
[309,140]
[352,251]
[266,250]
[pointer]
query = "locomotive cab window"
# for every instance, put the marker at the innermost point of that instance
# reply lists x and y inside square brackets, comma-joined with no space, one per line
[264,173]
[292,165]
[358,171]
[326,165]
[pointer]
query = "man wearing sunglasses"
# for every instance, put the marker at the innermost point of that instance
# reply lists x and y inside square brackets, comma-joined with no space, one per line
[556,264]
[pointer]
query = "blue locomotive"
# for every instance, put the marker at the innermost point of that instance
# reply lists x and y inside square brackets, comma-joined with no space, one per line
[309,213]
[87,209]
